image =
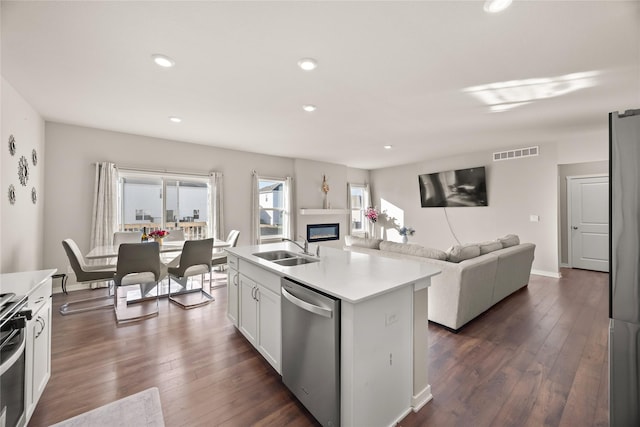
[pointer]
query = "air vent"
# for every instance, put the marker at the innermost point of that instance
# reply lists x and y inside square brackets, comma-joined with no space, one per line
[518,153]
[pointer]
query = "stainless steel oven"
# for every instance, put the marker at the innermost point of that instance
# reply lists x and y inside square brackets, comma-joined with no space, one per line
[13,323]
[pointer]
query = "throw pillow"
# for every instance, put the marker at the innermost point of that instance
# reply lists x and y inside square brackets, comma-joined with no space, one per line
[486,247]
[509,240]
[362,242]
[460,253]
[413,249]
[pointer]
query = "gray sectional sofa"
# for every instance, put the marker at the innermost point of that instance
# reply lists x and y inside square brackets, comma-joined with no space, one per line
[474,277]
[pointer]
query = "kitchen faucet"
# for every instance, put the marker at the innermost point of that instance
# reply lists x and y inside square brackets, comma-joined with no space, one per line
[305,248]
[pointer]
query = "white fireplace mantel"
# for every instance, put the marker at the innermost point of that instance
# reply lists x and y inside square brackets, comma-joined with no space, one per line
[307,211]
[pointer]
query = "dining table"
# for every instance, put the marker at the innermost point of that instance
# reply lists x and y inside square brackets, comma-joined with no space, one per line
[111,251]
[165,287]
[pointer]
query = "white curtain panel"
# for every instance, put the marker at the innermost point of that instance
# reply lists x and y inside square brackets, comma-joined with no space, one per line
[104,220]
[289,231]
[216,225]
[255,209]
[367,196]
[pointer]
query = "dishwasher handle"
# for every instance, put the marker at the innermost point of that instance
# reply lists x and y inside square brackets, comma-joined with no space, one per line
[324,312]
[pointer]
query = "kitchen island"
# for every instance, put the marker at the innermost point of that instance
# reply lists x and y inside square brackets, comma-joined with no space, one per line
[383,328]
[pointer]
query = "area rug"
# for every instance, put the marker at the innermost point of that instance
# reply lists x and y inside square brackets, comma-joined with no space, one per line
[140,409]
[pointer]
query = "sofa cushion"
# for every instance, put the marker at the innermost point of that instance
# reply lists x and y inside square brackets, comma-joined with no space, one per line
[362,242]
[460,253]
[413,249]
[509,240]
[486,247]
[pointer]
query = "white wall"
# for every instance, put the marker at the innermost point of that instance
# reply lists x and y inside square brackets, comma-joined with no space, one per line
[308,194]
[21,229]
[516,189]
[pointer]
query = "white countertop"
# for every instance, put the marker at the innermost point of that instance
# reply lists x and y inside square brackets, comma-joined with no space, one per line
[350,276]
[23,282]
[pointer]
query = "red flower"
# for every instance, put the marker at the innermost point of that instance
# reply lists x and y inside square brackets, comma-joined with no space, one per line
[158,233]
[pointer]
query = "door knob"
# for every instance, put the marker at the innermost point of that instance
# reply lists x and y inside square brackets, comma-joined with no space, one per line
[574,227]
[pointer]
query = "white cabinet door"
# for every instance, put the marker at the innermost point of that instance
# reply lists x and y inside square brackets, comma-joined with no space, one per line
[233,286]
[39,350]
[248,316]
[269,326]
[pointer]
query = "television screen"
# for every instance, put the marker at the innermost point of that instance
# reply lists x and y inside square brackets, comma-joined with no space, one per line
[463,187]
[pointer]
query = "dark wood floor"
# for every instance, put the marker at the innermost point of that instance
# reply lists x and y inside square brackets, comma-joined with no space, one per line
[538,358]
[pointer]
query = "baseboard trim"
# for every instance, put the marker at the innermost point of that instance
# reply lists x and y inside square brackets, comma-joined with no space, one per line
[554,274]
[421,399]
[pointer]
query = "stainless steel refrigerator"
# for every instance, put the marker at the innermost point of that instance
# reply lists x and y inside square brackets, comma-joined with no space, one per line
[624,277]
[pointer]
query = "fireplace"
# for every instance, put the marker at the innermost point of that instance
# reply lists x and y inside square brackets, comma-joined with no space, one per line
[323,232]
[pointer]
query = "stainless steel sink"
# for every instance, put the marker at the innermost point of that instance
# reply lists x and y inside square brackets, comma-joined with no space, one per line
[288,262]
[275,255]
[284,258]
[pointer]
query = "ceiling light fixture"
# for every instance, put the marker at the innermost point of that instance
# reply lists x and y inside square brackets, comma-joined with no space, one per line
[308,64]
[495,6]
[163,61]
[175,119]
[309,108]
[388,147]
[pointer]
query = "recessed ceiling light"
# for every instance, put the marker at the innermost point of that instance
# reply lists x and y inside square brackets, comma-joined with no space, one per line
[388,147]
[495,6]
[308,64]
[163,61]
[175,119]
[309,108]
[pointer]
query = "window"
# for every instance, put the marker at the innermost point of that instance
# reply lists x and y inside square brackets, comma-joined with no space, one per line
[157,202]
[274,209]
[358,201]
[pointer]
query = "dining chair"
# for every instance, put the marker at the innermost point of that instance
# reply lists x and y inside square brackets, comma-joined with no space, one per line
[219,259]
[126,237]
[138,264]
[175,234]
[86,274]
[195,259]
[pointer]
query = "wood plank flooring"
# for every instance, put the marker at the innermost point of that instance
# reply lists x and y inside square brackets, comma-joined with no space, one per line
[539,358]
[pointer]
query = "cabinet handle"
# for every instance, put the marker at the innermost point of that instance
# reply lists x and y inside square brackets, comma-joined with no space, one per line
[235,279]
[253,293]
[42,324]
[257,294]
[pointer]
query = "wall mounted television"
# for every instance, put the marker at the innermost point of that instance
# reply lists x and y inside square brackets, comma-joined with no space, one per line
[462,187]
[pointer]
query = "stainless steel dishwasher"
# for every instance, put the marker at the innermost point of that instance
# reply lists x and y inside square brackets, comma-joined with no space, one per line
[311,350]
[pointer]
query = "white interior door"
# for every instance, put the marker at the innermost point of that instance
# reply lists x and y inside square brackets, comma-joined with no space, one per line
[589,223]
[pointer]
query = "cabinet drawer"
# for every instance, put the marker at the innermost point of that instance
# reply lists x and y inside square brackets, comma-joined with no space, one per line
[232,261]
[267,279]
[39,296]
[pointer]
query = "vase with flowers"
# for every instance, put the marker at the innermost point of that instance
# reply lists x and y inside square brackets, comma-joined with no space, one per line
[158,235]
[372,215]
[405,232]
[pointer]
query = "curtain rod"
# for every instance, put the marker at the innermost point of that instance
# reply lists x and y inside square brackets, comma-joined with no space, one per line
[163,171]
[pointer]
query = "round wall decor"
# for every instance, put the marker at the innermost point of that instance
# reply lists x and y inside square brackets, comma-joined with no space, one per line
[34,195]
[12,145]
[23,171]
[12,194]
[34,157]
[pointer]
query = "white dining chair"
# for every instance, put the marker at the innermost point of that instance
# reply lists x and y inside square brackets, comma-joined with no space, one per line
[219,259]
[126,237]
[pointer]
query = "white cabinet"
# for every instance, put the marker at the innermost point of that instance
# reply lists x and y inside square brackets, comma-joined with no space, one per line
[248,321]
[259,318]
[38,350]
[233,285]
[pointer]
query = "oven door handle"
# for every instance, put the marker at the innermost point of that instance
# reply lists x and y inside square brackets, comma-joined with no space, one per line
[9,362]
